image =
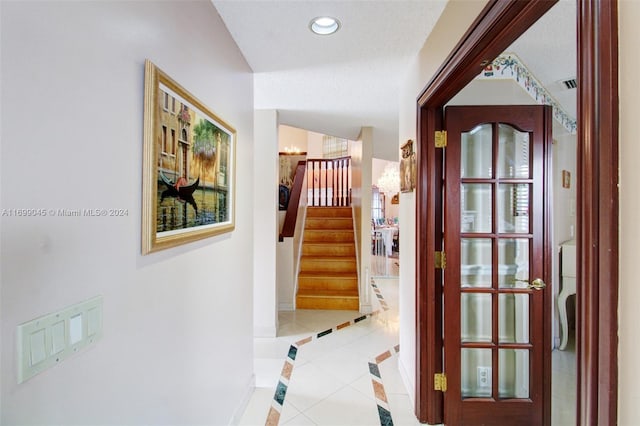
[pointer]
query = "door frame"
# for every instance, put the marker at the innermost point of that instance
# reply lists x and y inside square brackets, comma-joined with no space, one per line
[499,24]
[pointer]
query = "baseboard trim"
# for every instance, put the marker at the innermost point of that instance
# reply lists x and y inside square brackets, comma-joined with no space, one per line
[366,309]
[244,402]
[408,383]
[286,307]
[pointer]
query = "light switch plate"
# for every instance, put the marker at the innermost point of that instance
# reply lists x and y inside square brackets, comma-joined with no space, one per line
[45,341]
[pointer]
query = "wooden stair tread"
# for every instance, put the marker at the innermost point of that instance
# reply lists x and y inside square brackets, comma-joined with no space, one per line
[329,258]
[319,212]
[349,294]
[344,231]
[327,243]
[323,274]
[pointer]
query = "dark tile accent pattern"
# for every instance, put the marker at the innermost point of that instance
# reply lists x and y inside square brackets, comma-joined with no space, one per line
[362,318]
[324,333]
[281,391]
[373,369]
[385,417]
[293,351]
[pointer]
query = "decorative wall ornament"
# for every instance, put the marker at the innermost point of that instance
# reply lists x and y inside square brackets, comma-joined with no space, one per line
[408,167]
[510,66]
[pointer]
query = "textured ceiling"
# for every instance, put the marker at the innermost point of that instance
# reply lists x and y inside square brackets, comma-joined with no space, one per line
[337,84]
[548,49]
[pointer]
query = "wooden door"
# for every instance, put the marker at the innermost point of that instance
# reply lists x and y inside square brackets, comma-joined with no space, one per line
[497,343]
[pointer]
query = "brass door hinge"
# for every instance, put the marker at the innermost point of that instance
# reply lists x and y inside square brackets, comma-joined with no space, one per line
[440,382]
[441,138]
[441,260]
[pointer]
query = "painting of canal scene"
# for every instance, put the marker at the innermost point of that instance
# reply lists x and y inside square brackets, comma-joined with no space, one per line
[188,188]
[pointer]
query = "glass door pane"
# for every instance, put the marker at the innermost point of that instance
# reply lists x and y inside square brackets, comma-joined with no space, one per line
[513,314]
[476,152]
[476,317]
[475,262]
[477,211]
[513,374]
[513,262]
[513,153]
[476,373]
[513,208]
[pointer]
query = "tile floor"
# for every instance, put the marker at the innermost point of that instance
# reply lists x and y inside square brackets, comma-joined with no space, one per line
[350,376]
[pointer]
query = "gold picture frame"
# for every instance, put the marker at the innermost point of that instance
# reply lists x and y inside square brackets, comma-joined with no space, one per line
[188,182]
[407,167]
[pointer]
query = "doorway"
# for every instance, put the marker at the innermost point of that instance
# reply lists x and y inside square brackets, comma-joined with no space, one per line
[496,28]
[496,333]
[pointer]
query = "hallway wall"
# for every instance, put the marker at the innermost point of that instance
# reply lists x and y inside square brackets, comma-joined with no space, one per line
[629,335]
[361,152]
[177,345]
[454,21]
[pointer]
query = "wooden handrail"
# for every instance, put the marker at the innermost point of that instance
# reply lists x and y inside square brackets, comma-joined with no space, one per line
[328,183]
[289,226]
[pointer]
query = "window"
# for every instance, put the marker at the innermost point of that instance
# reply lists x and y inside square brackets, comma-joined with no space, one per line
[166,100]
[333,147]
[173,105]
[173,147]
[164,139]
[377,205]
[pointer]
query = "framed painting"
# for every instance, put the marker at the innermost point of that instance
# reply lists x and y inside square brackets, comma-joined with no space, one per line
[188,166]
[408,167]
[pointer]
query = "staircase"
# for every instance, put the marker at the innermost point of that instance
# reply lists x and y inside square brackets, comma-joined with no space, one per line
[328,277]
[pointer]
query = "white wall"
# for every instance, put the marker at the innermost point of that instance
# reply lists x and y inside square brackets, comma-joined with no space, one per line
[288,258]
[289,137]
[564,207]
[629,374]
[177,345]
[314,145]
[454,21]
[266,226]
[361,152]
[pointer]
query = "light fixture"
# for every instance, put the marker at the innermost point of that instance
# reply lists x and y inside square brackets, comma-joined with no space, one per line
[292,150]
[389,182]
[324,25]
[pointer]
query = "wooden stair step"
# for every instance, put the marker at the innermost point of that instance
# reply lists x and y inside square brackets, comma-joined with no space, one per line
[329,293]
[329,223]
[329,212]
[328,264]
[327,249]
[329,299]
[324,235]
[328,281]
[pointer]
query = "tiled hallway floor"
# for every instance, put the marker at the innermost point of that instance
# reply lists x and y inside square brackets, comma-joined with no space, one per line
[332,377]
[349,375]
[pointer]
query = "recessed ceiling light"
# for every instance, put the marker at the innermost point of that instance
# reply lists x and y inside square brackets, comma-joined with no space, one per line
[324,25]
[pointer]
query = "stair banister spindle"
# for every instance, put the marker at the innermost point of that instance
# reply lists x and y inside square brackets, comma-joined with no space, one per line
[342,183]
[326,183]
[347,192]
[313,198]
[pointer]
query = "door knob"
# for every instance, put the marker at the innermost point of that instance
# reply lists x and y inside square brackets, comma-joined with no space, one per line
[537,284]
